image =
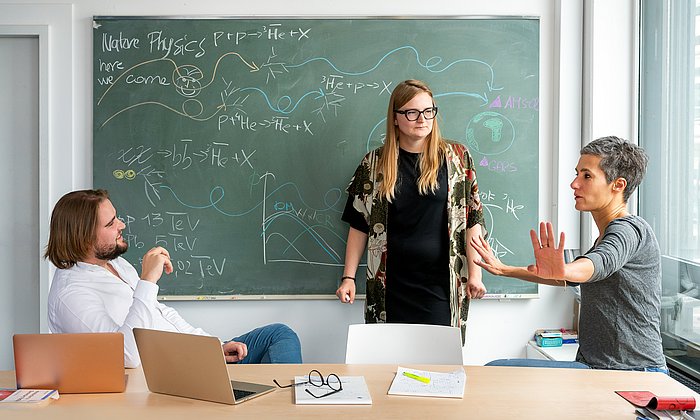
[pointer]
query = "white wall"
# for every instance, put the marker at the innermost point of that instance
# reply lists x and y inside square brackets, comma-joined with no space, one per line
[496,328]
[19,131]
[49,124]
[610,80]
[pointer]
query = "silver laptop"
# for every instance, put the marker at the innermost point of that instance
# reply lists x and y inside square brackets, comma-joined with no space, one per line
[191,366]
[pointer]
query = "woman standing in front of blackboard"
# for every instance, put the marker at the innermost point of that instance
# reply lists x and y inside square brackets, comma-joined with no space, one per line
[414,206]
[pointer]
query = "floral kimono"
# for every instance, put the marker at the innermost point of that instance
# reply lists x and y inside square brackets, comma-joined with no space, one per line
[464,211]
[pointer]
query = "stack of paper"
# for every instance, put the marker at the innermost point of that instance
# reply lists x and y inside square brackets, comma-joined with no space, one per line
[423,383]
[28,396]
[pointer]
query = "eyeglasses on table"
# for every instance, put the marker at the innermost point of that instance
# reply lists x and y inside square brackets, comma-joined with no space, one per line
[315,378]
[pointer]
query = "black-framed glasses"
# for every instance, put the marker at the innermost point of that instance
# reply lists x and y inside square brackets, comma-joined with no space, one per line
[413,114]
[315,378]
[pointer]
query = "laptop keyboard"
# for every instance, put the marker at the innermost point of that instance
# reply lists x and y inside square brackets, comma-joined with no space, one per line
[240,393]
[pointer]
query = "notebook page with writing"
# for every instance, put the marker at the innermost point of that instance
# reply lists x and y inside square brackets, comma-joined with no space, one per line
[423,383]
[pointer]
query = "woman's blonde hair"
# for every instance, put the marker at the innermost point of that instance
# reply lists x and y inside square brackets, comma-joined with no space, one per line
[433,153]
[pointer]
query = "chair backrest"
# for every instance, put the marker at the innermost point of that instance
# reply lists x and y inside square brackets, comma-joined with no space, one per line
[403,343]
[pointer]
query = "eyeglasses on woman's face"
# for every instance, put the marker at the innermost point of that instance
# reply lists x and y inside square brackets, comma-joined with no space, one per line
[413,114]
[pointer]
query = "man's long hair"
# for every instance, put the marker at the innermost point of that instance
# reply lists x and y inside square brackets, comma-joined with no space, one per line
[73,227]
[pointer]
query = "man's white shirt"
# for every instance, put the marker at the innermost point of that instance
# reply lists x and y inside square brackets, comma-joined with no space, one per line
[89,298]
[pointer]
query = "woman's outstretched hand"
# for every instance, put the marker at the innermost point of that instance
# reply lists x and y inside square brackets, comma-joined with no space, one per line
[488,261]
[549,258]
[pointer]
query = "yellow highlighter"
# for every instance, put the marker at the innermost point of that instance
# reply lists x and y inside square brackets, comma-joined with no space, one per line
[417,378]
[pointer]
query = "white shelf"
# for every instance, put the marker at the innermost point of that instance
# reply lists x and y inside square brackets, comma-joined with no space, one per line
[565,352]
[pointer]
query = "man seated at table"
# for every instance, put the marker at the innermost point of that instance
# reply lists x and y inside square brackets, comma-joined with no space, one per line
[96,290]
[619,277]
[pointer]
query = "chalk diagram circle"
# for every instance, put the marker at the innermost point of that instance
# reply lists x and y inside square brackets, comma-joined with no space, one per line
[187,80]
[490,133]
[192,108]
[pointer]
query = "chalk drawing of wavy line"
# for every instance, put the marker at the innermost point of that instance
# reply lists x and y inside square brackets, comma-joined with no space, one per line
[286,110]
[214,199]
[126,72]
[181,113]
[429,64]
[302,258]
[194,116]
[216,195]
[382,122]
[294,215]
[253,67]
[176,71]
[290,245]
[311,230]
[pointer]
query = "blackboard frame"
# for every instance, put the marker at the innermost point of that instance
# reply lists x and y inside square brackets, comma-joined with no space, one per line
[505,295]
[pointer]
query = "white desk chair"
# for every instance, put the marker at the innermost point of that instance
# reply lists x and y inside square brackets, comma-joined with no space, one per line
[403,343]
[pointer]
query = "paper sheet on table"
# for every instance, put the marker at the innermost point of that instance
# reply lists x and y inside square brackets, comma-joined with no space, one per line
[450,385]
[354,392]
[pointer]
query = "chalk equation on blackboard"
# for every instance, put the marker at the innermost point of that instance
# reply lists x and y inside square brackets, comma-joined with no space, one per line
[231,141]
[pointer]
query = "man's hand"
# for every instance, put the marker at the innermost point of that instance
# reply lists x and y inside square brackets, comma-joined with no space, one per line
[154,262]
[234,351]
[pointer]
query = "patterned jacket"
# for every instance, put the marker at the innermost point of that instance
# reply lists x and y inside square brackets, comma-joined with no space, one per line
[464,211]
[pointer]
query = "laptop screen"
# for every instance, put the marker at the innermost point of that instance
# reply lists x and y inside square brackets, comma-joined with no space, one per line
[188,365]
[70,363]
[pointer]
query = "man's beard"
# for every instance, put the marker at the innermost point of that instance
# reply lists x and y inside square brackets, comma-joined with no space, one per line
[108,253]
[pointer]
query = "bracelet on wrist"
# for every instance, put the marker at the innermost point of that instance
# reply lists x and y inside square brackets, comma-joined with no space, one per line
[347,277]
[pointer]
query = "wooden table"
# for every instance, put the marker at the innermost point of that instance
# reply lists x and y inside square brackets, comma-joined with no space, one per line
[491,393]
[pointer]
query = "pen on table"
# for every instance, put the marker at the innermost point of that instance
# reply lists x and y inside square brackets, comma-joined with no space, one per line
[416,377]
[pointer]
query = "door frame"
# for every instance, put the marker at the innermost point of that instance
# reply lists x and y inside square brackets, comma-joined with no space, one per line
[53,25]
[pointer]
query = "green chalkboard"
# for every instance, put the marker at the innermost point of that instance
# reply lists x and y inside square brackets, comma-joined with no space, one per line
[231,141]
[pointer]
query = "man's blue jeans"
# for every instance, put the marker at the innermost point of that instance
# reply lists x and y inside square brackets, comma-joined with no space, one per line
[274,343]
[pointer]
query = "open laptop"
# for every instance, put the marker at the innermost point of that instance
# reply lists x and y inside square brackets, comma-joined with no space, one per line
[191,366]
[70,363]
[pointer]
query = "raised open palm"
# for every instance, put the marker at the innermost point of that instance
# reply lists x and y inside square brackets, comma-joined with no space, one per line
[549,258]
